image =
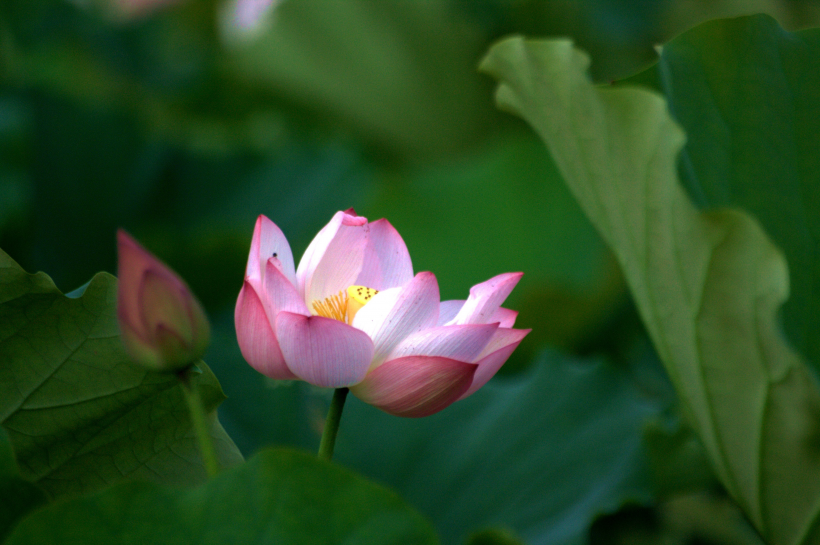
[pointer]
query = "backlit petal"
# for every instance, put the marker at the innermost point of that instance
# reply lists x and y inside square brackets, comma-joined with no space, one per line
[458,342]
[415,386]
[494,355]
[485,299]
[504,316]
[447,310]
[333,259]
[394,314]
[323,351]
[256,338]
[269,242]
[279,294]
[386,261]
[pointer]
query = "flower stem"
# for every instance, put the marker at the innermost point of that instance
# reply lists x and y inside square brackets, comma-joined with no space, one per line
[334,415]
[206,445]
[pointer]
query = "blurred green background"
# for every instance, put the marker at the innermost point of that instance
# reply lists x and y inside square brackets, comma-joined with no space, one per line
[182,129]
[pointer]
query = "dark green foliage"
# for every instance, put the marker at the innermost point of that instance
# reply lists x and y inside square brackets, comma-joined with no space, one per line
[80,416]
[276,497]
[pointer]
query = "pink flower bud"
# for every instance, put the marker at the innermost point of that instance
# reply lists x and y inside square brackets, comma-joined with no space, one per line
[162,324]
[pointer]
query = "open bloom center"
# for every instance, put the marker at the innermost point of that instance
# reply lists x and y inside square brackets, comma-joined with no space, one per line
[344,305]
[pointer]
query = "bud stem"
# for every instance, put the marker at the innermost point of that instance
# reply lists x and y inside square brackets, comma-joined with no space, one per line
[334,416]
[206,446]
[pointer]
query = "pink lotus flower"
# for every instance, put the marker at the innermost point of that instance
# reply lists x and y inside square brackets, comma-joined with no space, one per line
[353,315]
[163,326]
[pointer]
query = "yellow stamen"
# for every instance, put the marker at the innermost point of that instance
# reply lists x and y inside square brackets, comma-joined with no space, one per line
[334,307]
[357,297]
[344,305]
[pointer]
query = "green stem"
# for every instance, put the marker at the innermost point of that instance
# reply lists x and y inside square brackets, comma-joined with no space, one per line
[334,415]
[206,445]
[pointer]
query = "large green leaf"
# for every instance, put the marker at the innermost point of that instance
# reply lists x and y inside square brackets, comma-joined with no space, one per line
[708,285]
[277,497]
[748,96]
[79,415]
[17,496]
[542,453]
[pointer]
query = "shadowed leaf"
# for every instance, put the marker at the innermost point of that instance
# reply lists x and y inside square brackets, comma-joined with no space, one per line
[516,454]
[17,496]
[277,497]
[79,415]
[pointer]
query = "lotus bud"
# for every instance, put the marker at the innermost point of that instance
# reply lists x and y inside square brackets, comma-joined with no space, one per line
[163,326]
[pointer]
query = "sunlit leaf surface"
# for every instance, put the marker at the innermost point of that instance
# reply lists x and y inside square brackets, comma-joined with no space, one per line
[708,285]
[747,94]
